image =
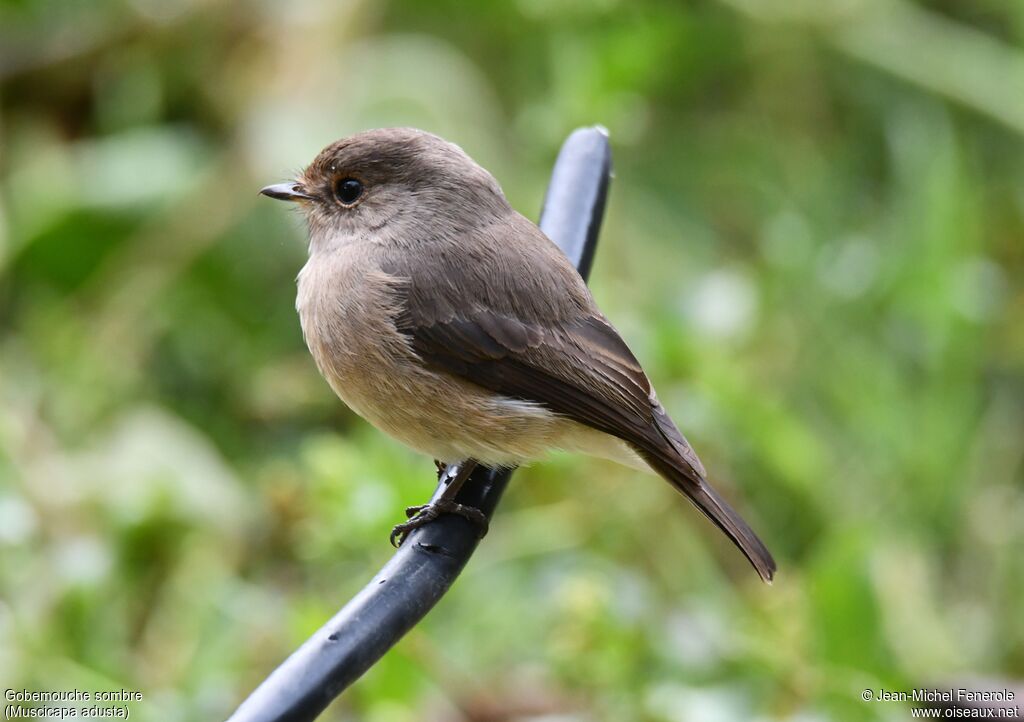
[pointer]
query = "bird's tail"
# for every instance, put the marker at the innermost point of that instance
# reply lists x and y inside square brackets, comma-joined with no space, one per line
[678,464]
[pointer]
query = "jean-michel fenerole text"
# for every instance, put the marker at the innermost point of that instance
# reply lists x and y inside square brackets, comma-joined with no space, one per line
[945,695]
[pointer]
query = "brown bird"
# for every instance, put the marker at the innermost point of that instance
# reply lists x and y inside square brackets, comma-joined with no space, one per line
[451,322]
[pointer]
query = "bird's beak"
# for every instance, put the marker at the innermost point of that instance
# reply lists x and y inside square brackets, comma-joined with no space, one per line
[293,191]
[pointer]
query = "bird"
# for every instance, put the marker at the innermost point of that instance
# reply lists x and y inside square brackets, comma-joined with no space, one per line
[453,324]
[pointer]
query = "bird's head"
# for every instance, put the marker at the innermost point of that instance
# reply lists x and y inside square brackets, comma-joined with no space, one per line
[392,183]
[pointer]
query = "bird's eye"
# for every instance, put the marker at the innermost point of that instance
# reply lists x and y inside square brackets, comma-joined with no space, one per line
[348,190]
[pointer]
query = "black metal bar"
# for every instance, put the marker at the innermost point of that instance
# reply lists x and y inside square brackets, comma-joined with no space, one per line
[425,566]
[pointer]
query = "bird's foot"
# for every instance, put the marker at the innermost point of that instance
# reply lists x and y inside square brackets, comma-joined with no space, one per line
[422,515]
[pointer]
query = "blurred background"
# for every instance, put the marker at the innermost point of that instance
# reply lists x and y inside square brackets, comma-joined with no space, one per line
[814,244]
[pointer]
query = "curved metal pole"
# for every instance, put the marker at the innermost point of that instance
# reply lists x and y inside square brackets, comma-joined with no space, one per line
[430,559]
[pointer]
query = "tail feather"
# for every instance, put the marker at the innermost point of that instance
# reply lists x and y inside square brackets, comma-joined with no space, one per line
[673,458]
[724,517]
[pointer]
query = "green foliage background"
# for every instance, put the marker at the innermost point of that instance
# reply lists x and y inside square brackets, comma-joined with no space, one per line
[814,244]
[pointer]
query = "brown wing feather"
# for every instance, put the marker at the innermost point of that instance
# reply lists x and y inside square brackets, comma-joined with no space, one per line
[583,371]
[566,368]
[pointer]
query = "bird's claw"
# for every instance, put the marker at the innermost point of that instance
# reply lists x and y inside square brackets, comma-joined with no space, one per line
[426,513]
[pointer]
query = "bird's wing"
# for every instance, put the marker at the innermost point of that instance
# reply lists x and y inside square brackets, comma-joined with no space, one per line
[584,371]
[580,369]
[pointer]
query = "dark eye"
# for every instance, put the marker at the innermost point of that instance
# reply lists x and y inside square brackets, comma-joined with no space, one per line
[348,190]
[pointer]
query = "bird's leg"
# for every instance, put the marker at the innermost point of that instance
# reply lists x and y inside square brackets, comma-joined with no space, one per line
[442,502]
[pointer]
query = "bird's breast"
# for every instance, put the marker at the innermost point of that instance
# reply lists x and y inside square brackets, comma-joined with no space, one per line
[347,308]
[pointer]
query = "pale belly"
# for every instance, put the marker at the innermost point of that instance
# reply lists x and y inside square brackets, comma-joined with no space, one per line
[443,417]
[450,420]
